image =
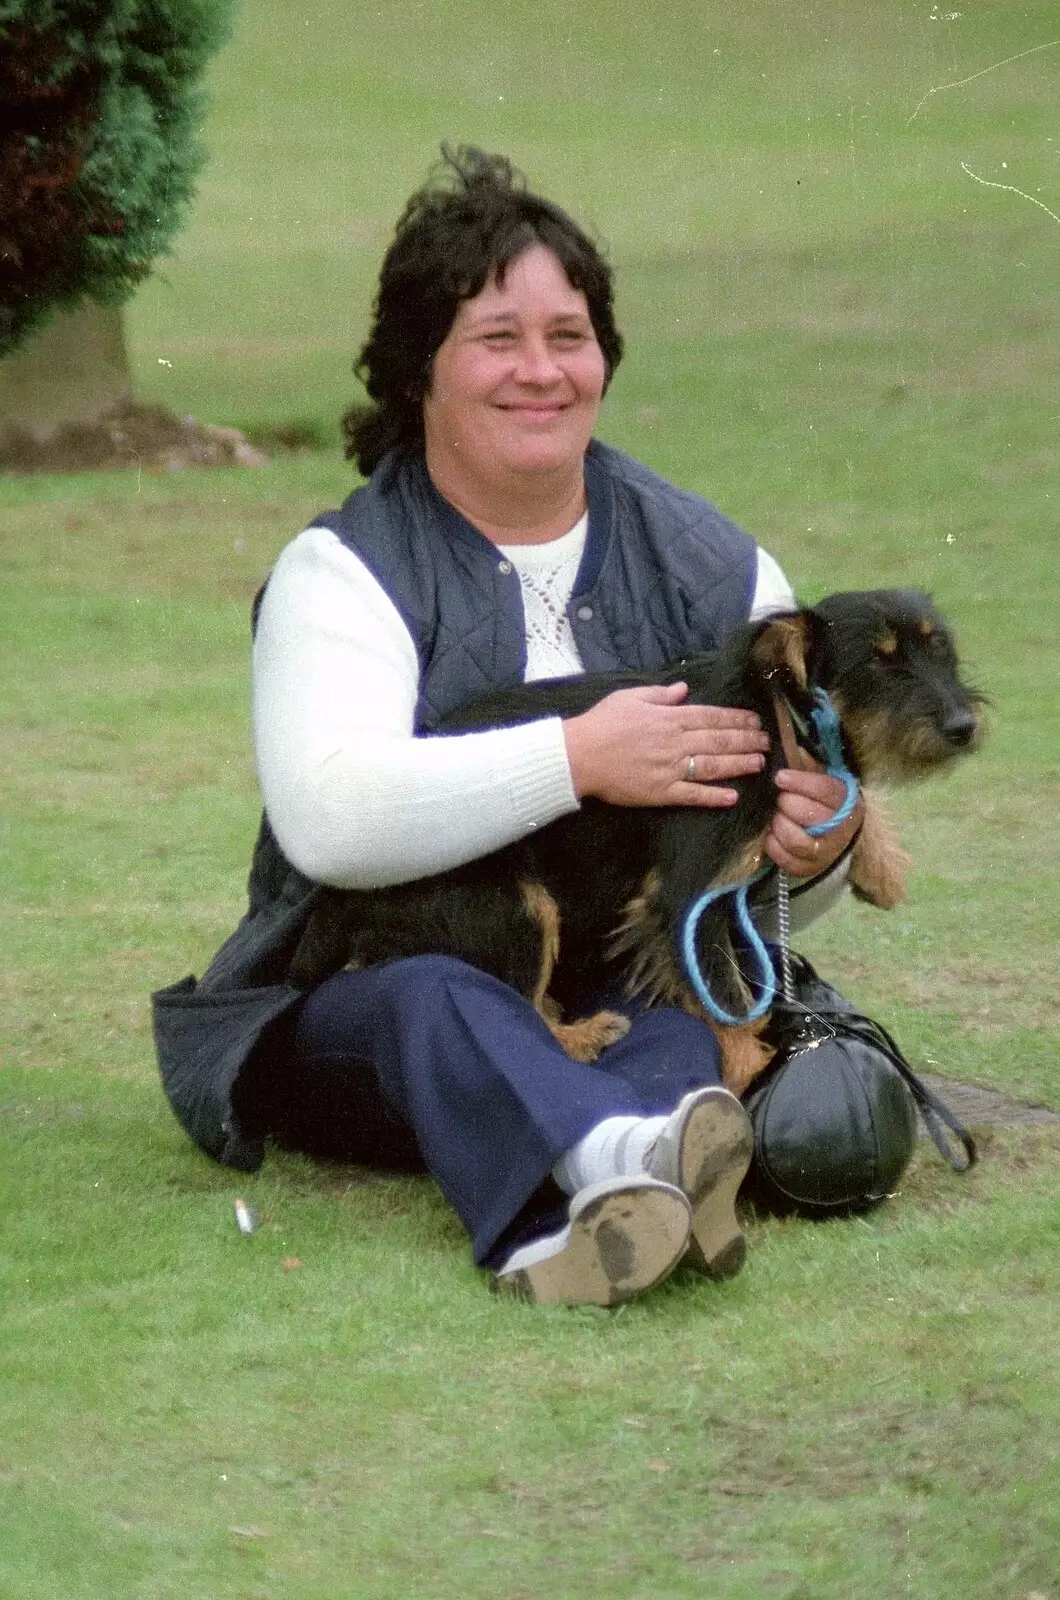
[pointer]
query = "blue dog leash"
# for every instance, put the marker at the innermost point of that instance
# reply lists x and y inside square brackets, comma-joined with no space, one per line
[825,720]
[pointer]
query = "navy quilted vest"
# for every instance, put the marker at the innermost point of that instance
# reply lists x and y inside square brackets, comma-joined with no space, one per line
[663,573]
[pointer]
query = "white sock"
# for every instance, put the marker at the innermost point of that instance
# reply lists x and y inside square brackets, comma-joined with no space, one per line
[615,1148]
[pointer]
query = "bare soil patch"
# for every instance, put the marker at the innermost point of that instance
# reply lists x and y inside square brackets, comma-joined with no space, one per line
[129,436]
[978,1107]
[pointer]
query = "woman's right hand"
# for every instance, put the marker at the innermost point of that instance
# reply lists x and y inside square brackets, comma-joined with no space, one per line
[634,748]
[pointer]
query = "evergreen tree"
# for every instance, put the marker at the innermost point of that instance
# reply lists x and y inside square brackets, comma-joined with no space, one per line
[100,108]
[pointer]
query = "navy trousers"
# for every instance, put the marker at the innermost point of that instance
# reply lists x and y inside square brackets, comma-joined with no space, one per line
[429,1063]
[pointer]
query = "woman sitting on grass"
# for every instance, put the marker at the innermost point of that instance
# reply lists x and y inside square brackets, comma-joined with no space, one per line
[495,540]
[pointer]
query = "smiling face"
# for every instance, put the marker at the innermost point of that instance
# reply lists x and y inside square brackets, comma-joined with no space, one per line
[515,388]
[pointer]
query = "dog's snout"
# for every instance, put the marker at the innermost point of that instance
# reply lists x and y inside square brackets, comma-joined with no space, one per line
[960,728]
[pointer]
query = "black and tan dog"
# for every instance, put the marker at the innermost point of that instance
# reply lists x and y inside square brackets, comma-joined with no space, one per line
[596,901]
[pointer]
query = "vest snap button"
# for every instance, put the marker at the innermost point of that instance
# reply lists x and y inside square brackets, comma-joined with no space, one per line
[585,613]
[504,567]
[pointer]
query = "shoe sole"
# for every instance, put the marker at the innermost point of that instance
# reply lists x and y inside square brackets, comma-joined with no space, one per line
[626,1235]
[709,1162]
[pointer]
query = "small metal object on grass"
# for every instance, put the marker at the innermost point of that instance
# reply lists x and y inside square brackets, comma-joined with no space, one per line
[246,1217]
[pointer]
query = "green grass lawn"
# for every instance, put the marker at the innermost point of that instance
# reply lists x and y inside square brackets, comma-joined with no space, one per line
[849,344]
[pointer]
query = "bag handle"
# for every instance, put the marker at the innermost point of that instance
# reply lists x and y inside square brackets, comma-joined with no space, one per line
[942,1126]
[937,1116]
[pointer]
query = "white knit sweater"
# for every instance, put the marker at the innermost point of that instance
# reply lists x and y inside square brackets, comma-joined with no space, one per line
[354,799]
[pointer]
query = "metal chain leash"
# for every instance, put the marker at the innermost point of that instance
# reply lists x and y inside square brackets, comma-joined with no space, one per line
[787,982]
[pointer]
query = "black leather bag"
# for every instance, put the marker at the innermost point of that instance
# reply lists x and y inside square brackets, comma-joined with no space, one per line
[835,1113]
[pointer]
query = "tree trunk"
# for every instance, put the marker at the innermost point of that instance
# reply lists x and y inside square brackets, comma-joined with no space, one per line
[72,370]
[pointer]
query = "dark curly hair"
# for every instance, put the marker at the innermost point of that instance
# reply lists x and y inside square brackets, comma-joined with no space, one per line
[473,217]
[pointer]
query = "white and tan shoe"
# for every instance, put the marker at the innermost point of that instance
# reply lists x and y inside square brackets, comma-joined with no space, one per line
[624,1236]
[705,1150]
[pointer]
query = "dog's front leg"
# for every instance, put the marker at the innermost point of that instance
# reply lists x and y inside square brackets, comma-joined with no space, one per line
[584,1039]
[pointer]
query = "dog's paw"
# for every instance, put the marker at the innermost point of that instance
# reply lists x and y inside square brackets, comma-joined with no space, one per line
[586,1038]
[743,1056]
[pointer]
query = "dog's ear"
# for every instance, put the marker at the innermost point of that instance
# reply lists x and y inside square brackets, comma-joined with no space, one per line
[782,649]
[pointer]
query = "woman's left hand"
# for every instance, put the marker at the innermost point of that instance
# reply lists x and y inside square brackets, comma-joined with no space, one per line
[807,797]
